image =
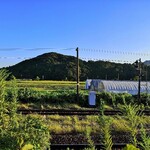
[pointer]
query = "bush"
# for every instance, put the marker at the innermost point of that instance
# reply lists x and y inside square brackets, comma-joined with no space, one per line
[28,130]
[17,131]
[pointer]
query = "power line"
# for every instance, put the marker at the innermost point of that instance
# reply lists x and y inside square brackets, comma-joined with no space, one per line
[34,49]
[115,52]
[81,49]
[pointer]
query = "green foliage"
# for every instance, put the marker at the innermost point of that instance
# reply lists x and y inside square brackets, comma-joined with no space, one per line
[56,66]
[145,99]
[130,147]
[132,114]
[28,95]
[3,105]
[16,131]
[105,123]
[3,75]
[104,96]
[114,99]
[89,140]
[28,130]
[27,147]
[62,97]
[145,144]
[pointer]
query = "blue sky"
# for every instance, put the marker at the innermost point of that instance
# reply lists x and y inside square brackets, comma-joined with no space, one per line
[102,25]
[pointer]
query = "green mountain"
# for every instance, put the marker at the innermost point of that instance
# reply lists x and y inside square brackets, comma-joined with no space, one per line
[54,66]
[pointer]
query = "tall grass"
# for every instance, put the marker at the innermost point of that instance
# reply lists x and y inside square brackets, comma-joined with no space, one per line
[105,123]
[132,114]
[89,139]
[145,143]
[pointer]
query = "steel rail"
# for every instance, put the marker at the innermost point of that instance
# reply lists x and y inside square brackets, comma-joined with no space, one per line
[116,146]
[73,112]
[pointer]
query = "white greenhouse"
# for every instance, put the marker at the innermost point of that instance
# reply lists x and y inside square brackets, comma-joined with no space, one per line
[118,86]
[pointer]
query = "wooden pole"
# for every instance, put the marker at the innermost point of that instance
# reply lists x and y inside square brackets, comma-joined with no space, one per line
[139,83]
[77,49]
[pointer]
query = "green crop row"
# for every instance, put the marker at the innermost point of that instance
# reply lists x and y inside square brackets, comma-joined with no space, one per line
[62,97]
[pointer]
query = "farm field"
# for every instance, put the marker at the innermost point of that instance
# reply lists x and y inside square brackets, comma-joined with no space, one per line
[46,94]
[62,95]
[131,127]
[48,85]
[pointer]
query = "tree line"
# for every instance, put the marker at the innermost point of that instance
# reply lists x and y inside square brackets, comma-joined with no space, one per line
[55,66]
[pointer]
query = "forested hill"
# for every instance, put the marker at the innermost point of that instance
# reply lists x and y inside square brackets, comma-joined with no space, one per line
[54,66]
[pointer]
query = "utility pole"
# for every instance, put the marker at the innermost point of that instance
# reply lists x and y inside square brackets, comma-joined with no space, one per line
[137,64]
[146,81]
[139,84]
[77,49]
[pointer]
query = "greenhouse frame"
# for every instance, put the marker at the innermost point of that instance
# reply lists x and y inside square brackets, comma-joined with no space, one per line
[116,86]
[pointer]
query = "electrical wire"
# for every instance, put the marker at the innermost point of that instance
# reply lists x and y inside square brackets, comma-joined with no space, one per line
[80,50]
[34,49]
[115,52]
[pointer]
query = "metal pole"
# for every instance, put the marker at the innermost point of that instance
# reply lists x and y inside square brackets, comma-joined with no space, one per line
[77,49]
[139,83]
[146,81]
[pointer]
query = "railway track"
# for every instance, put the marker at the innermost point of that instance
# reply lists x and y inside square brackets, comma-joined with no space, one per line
[117,146]
[73,112]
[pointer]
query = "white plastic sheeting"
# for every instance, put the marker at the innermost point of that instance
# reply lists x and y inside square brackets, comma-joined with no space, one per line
[119,86]
[88,84]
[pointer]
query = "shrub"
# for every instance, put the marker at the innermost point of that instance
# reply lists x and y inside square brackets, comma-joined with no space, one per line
[16,131]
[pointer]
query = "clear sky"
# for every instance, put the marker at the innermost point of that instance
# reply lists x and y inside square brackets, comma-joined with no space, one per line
[116,29]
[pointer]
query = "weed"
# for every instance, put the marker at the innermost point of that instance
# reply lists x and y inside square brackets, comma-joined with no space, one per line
[145,144]
[132,114]
[105,123]
[89,140]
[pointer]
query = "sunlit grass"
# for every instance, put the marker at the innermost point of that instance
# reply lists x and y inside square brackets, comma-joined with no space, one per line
[77,124]
[120,124]
[48,85]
